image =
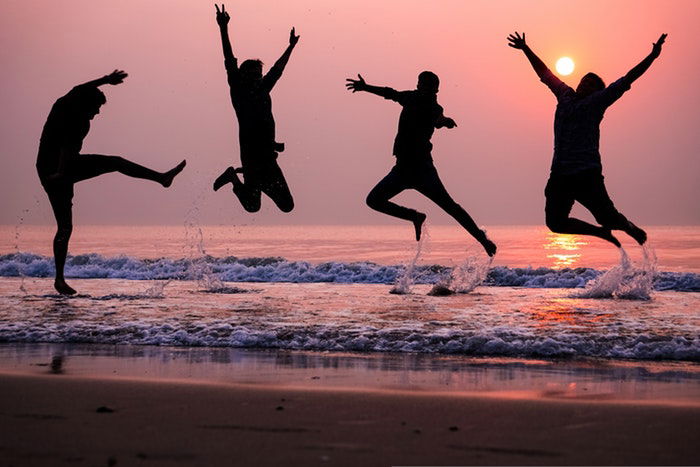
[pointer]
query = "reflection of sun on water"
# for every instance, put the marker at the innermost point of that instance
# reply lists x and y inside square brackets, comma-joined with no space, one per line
[566,242]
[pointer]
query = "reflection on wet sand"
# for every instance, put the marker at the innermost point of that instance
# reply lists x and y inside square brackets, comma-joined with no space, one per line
[568,243]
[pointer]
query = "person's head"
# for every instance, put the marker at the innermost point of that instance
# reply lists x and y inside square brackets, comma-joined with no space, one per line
[589,84]
[88,101]
[428,82]
[251,70]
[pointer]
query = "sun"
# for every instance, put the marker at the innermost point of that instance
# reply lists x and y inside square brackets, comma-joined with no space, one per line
[565,66]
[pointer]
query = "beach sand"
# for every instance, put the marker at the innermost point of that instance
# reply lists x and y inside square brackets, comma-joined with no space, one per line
[78,418]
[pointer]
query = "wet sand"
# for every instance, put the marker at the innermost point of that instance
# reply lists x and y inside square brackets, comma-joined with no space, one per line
[84,417]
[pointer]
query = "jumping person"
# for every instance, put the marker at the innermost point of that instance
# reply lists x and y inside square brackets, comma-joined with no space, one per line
[577,172]
[250,95]
[414,169]
[60,164]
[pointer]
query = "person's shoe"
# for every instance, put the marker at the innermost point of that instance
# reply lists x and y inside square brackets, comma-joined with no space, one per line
[489,246]
[172,173]
[418,224]
[224,178]
[607,235]
[638,234]
[63,288]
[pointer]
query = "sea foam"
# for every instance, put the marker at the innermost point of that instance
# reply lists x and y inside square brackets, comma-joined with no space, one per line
[275,269]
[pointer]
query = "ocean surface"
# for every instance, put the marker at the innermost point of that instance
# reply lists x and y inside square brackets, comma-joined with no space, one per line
[364,288]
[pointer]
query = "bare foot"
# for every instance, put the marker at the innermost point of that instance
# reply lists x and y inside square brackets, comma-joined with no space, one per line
[63,288]
[489,246]
[607,235]
[418,224]
[170,174]
[225,177]
[638,234]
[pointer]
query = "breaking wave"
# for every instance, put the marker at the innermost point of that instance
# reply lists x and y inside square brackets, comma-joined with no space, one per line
[275,269]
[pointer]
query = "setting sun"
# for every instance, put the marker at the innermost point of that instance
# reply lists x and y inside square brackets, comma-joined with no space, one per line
[565,66]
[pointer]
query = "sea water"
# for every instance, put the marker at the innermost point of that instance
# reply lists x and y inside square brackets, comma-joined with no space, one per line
[328,288]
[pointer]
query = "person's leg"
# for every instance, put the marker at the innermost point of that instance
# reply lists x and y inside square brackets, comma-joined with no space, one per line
[61,200]
[388,187]
[595,198]
[247,192]
[430,185]
[275,186]
[560,196]
[86,166]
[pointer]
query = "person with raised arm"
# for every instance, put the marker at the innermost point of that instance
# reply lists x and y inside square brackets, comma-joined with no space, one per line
[576,171]
[60,164]
[250,96]
[420,116]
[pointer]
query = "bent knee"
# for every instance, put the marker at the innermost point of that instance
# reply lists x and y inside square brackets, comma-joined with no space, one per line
[374,201]
[251,207]
[555,224]
[287,206]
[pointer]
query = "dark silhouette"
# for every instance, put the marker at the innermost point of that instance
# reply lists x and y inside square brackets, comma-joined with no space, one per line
[250,95]
[60,164]
[414,167]
[577,172]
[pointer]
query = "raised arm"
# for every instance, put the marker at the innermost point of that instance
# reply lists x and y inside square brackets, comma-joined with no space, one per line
[556,85]
[360,84]
[222,19]
[275,72]
[114,78]
[644,65]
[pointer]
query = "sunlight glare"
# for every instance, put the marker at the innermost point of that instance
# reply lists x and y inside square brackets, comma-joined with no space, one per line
[565,66]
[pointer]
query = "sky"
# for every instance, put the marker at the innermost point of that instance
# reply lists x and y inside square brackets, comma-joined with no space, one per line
[175,104]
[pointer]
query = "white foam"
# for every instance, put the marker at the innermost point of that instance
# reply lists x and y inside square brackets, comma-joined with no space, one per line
[624,280]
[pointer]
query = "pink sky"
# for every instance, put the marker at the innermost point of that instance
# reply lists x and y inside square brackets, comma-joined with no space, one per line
[175,103]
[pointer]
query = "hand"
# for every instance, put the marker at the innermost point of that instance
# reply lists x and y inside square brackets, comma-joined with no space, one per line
[355,85]
[656,48]
[115,77]
[292,38]
[222,17]
[449,123]
[516,41]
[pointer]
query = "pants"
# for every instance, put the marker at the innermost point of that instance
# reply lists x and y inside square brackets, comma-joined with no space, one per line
[423,178]
[268,179]
[588,188]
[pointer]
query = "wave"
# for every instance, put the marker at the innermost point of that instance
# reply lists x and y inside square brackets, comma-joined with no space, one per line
[501,342]
[276,269]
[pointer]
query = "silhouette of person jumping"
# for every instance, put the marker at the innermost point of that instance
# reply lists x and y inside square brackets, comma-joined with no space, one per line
[250,95]
[577,172]
[60,164]
[414,169]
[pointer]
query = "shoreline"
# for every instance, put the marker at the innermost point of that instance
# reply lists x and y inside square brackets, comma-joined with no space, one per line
[64,419]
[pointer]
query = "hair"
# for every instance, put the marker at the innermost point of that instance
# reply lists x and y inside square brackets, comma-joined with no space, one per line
[429,79]
[600,84]
[250,63]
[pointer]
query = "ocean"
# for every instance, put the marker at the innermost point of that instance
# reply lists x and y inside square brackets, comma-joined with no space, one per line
[358,289]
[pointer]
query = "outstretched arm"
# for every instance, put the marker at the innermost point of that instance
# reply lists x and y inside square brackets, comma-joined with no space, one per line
[644,65]
[360,84]
[114,78]
[518,42]
[275,72]
[556,85]
[222,19]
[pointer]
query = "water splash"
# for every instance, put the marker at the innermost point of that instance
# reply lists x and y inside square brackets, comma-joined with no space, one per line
[18,236]
[200,267]
[406,279]
[465,277]
[625,280]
